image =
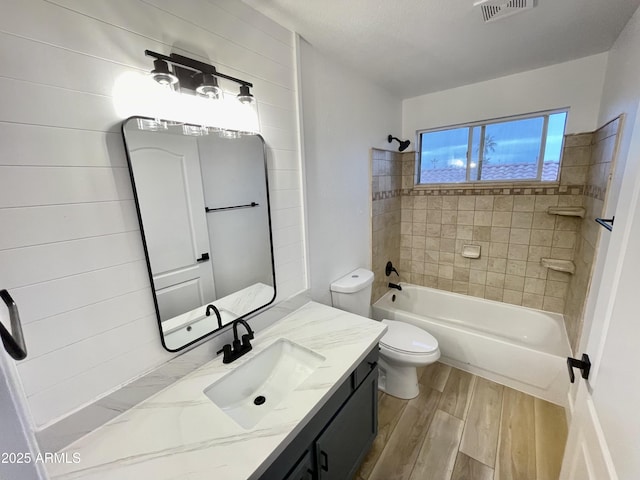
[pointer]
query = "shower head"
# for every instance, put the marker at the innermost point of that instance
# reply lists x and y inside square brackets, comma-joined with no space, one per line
[404,144]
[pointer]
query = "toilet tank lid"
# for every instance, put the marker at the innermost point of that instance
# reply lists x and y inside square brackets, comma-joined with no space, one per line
[353,282]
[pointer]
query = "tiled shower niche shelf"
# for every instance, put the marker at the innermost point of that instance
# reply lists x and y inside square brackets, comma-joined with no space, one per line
[566,266]
[567,211]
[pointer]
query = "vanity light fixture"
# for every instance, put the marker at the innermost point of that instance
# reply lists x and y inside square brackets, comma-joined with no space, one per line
[161,73]
[209,87]
[404,144]
[186,75]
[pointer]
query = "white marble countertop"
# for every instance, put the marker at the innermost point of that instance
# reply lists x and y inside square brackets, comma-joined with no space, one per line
[180,434]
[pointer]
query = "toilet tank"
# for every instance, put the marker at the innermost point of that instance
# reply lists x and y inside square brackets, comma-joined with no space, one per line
[352,292]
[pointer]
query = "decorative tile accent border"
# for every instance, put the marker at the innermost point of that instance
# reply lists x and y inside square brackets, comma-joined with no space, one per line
[594,191]
[387,194]
[556,190]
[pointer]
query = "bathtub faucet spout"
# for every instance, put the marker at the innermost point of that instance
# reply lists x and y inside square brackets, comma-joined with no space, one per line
[397,287]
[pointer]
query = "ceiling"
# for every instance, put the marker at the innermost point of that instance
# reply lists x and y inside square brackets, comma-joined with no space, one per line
[413,47]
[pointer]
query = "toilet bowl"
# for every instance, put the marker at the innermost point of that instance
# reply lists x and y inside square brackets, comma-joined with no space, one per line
[403,348]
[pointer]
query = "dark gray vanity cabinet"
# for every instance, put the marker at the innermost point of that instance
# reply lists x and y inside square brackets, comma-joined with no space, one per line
[346,440]
[335,441]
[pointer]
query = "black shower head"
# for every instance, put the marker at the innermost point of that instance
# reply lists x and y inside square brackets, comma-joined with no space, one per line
[404,144]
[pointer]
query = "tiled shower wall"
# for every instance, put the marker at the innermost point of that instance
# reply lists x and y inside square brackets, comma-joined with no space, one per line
[598,153]
[510,223]
[386,174]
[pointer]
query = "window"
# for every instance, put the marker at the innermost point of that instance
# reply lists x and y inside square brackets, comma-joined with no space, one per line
[526,148]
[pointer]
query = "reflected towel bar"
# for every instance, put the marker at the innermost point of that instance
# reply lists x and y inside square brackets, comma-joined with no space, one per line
[13,341]
[248,205]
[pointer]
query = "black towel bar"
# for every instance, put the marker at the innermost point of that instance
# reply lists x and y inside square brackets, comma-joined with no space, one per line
[13,341]
[606,222]
[248,205]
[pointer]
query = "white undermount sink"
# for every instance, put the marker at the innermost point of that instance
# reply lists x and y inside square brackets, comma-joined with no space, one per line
[256,387]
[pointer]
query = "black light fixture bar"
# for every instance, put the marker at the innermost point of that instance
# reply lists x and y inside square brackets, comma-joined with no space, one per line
[195,66]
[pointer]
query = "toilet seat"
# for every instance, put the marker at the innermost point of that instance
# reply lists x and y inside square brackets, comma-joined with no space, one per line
[406,339]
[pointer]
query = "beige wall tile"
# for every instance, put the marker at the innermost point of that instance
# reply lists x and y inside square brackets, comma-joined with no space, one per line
[464,232]
[477,276]
[449,231]
[518,252]
[449,217]
[433,230]
[535,270]
[482,234]
[543,202]
[564,239]
[562,253]
[418,229]
[500,234]
[467,202]
[501,219]
[445,271]
[523,203]
[520,236]
[445,284]
[511,296]
[516,267]
[556,289]
[498,249]
[543,238]
[514,282]
[534,285]
[434,216]
[532,300]
[460,287]
[522,219]
[450,203]
[493,293]
[476,290]
[482,218]
[484,202]
[543,221]
[503,203]
[553,304]
[536,253]
[495,279]
[498,265]
[461,274]
[446,258]
[465,217]
[434,203]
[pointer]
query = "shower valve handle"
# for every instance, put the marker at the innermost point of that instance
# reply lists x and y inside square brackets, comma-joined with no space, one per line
[584,365]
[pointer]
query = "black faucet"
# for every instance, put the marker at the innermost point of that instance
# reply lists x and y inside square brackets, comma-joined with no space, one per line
[389,268]
[234,351]
[393,285]
[216,311]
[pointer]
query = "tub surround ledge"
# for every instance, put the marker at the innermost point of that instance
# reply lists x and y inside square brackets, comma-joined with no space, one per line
[180,433]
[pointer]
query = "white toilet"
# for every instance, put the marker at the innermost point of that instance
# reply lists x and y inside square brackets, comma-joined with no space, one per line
[403,347]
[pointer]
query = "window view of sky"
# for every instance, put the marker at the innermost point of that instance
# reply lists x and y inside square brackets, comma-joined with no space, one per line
[511,150]
[515,142]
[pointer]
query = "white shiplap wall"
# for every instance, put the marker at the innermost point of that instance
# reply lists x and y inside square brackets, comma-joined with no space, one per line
[70,249]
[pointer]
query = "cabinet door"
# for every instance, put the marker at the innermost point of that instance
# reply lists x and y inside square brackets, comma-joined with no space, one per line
[303,469]
[347,439]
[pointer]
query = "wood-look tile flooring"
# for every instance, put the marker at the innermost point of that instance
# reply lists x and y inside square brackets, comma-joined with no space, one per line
[462,426]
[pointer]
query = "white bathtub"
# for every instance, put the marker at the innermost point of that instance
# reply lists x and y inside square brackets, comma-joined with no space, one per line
[519,347]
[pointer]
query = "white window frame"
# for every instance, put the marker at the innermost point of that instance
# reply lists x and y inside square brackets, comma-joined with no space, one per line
[483,124]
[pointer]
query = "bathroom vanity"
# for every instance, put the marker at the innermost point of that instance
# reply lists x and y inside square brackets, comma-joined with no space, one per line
[322,428]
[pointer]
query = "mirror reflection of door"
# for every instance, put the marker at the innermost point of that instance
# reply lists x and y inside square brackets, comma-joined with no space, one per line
[171,202]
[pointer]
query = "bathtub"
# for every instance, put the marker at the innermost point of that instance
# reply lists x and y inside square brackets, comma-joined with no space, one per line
[519,347]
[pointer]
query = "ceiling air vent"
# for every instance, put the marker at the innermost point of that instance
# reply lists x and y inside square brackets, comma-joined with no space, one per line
[493,10]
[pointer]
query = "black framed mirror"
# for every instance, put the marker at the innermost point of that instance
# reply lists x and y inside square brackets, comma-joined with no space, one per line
[202,198]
